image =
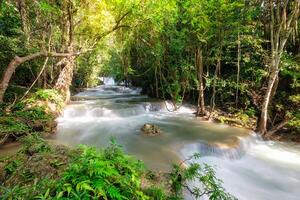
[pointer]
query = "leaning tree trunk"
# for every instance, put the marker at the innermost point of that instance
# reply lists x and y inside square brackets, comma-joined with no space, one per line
[199,66]
[14,63]
[7,76]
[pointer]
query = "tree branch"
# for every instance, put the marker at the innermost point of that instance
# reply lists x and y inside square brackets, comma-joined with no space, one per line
[14,63]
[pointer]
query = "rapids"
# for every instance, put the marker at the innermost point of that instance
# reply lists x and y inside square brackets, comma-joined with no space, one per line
[250,167]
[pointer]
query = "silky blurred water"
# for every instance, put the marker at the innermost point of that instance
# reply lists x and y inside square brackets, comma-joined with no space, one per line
[250,168]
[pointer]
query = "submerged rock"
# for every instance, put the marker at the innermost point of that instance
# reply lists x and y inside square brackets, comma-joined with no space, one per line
[151,130]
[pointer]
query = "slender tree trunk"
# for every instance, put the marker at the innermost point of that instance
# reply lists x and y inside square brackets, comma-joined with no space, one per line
[21,4]
[264,111]
[272,78]
[281,27]
[7,75]
[156,81]
[238,71]
[213,97]
[199,66]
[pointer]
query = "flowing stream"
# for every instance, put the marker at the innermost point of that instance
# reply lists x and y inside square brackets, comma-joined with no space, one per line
[250,168]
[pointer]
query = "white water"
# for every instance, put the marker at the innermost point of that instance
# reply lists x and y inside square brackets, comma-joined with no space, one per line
[254,169]
[266,171]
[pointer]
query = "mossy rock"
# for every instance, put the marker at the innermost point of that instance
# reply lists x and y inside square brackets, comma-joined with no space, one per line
[151,130]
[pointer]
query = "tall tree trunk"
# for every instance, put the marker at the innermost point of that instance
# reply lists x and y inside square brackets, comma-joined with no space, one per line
[156,80]
[7,76]
[64,80]
[280,30]
[264,111]
[238,70]
[199,67]
[213,97]
[21,5]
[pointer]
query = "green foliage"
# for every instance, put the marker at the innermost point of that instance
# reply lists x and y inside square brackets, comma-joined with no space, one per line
[295,99]
[50,95]
[34,113]
[12,126]
[41,171]
[109,175]
[33,143]
[203,177]
[12,166]
[156,193]
[13,92]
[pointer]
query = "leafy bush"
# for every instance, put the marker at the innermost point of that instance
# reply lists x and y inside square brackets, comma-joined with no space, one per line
[108,174]
[34,113]
[203,175]
[50,95]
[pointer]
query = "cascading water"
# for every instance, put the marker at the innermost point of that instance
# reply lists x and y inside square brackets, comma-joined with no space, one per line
[108,80]
[256,169]
[250,168]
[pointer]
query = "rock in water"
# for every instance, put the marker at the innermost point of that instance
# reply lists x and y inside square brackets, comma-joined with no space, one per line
[151,130]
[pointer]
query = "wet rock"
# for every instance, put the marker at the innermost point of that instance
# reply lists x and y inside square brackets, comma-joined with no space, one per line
[151,130]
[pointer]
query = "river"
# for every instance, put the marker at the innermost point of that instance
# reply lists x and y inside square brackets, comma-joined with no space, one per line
[249,167]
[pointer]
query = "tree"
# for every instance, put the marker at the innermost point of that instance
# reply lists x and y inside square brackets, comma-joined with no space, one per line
[283,17]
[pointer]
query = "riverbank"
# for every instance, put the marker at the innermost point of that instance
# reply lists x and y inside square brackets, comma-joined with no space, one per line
[249,121]
[40,170]
[35,114]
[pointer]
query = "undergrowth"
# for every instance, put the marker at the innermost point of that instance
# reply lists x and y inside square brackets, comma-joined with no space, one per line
[30,115]
[42,171]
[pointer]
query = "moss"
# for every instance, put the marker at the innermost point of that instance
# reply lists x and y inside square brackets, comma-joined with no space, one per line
[239,119]
[12,126]
[35,114]
[46,95]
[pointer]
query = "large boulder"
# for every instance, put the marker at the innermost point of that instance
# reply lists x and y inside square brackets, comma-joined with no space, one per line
[151,130]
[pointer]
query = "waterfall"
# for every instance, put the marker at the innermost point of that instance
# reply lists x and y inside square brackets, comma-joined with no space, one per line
[108,80]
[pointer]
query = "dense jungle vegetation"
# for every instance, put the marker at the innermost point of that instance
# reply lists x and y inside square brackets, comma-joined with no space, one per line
[238,61]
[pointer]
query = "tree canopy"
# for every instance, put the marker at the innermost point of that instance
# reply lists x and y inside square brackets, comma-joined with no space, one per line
[236,55]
